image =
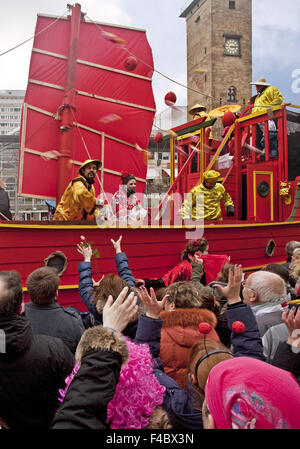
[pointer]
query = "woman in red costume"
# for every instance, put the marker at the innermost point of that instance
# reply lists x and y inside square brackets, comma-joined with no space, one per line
[183,271]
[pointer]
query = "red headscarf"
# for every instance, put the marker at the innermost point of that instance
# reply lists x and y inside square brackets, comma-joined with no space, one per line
[246,393]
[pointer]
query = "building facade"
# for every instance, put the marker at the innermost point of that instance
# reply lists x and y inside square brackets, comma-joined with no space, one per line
[11,102]
[219,52]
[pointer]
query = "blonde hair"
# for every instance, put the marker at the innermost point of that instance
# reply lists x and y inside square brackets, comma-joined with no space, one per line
[295,271]
[296,253]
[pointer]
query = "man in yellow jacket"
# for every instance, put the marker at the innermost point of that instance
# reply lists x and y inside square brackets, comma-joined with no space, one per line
[267,96]
[213,194]
[79,199]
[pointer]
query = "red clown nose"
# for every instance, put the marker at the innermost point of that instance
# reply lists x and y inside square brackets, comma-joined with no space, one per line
[238,327]
[204,328]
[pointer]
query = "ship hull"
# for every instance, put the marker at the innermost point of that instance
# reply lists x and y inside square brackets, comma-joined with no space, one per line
[151,251]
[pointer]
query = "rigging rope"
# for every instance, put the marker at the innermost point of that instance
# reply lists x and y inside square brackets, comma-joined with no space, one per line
[152,68]
[32,37]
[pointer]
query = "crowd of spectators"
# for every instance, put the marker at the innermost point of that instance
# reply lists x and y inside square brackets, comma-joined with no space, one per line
[175,352]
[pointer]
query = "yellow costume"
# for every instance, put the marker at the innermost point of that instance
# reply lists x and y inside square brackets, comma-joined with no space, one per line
[210,208]
[271,96]
[78,201]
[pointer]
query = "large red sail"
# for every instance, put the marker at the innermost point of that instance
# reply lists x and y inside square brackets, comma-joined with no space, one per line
[114,107]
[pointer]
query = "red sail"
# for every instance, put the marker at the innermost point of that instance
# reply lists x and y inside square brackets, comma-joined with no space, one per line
[114,107]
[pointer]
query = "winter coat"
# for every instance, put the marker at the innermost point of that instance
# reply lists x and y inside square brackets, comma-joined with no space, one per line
[210,208]
[272,338]
[55,321]
[4,205]
[100,355]
[248,343]
[123,269]
[179,334]
[78,202]
[267,315]
[86,289]
[176,401]
[288,359]
[32,369]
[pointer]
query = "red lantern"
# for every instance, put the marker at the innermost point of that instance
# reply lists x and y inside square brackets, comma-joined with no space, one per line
[130,63]
[238,327]
[158,138]
[204,328]
[170,99]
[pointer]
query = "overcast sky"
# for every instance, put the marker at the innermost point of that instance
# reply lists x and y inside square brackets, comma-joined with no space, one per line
[276,39]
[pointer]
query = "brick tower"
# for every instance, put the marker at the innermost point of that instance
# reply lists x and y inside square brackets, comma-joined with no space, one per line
[219,53]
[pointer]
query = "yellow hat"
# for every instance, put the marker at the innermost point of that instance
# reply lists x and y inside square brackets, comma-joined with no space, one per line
[211,175]
[90,161]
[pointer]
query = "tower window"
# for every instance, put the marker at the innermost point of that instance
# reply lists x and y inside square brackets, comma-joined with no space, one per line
[231,94]
[231,4]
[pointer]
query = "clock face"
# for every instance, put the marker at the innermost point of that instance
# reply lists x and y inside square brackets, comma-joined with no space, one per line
[232,47]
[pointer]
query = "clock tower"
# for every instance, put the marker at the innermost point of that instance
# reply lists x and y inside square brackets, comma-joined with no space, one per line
[219,52]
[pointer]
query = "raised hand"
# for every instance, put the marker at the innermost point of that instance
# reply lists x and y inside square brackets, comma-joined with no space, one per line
[232,290]
[291,319]
[152,306]
[85,251]
[116,315]
[117,244]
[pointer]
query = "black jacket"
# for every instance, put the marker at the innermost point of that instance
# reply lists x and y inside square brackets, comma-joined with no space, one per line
[55,321]
[101,353]
[4,204]
[32,369]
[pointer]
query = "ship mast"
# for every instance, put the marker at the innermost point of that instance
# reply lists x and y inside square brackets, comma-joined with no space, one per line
[69,105]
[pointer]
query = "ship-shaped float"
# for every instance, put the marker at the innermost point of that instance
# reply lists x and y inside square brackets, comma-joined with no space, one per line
[84,101]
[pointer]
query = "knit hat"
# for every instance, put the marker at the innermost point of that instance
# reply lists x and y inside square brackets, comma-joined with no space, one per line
[246,393]
[228,119]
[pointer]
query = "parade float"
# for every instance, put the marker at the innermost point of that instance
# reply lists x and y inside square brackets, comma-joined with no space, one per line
[89,96]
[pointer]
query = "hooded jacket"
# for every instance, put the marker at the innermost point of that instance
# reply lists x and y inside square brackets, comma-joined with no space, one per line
[32,369]
[78,202]
[179,333]
[100,354]
[210,208]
